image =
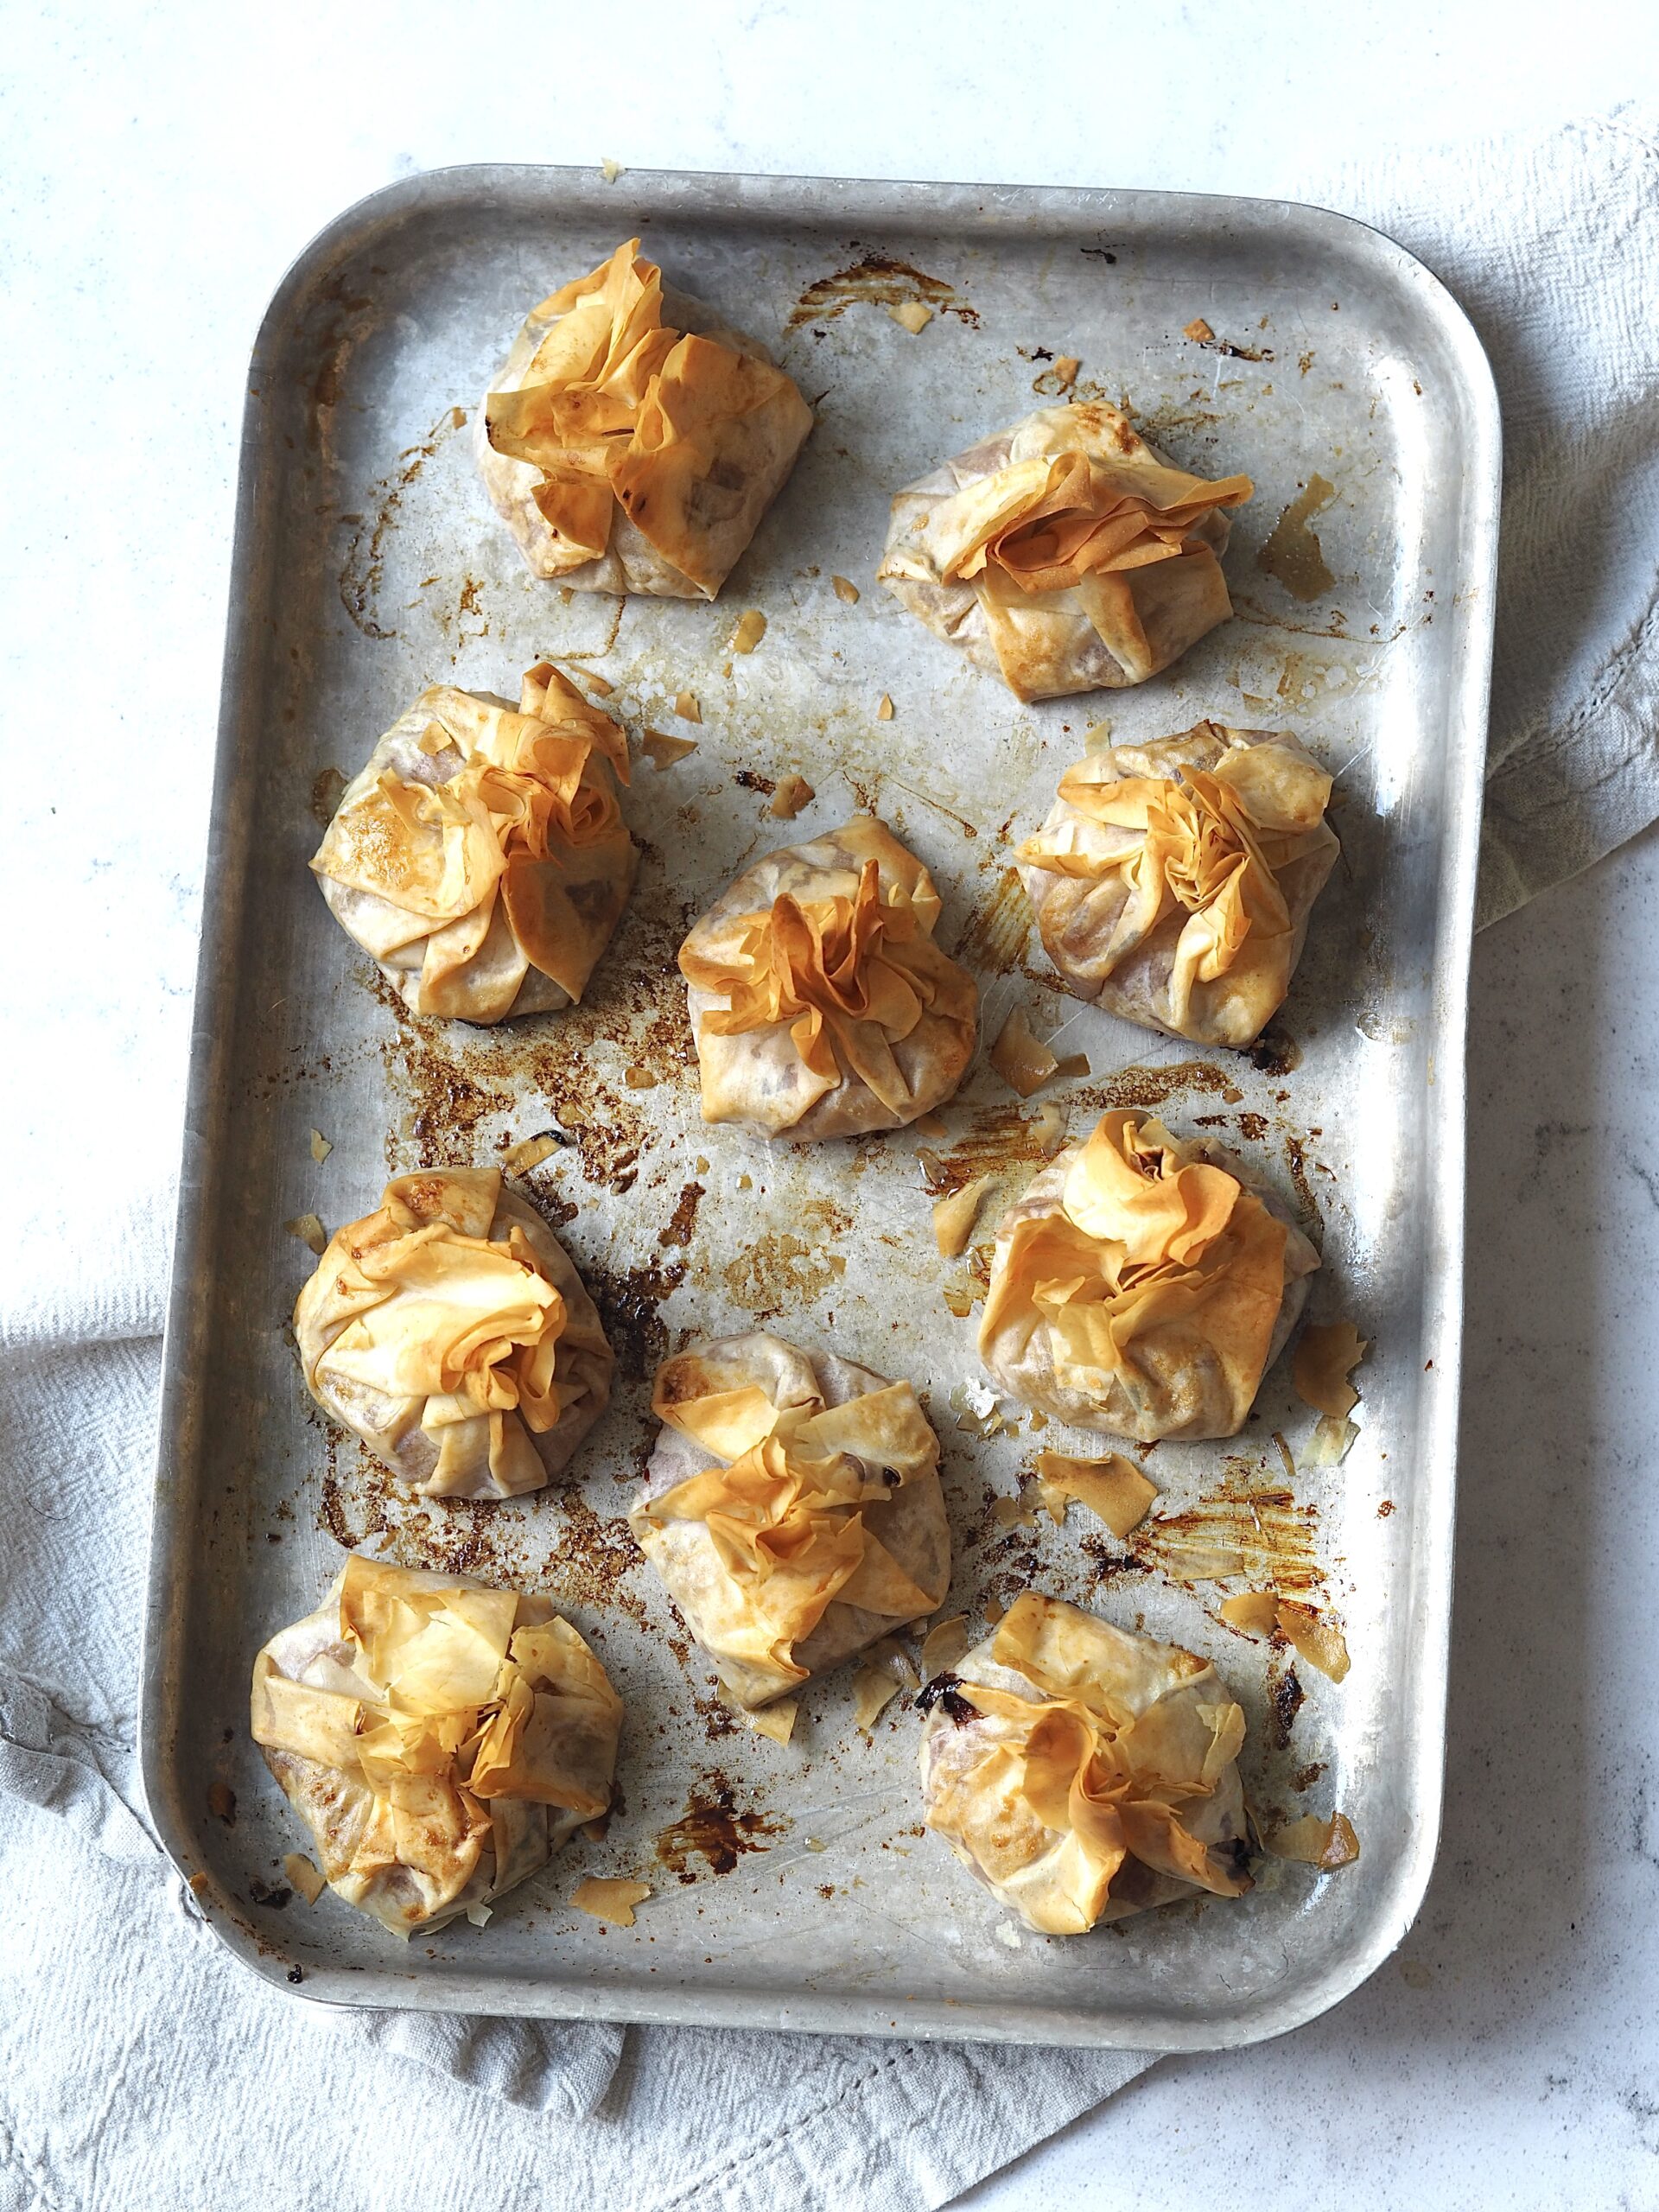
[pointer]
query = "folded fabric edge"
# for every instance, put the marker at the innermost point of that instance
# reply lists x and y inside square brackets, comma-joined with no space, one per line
[897,2157]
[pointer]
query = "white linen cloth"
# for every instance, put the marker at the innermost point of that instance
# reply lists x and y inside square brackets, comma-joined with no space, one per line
[132,2048]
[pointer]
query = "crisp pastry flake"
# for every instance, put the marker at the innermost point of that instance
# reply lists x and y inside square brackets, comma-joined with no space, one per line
[821,1005]
[1139,1288]
[631,453]
[450,1330]
[1065,554]
[1172,881]
[791,1508]
[437,1738]
[1084,1773]
[482,856]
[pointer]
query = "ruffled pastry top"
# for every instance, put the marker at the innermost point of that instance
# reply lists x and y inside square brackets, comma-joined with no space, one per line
[1066,553]
[821,1004]
[1084,1773]
[426,1728]
[1143,1290]
[804,1490]
[623,425]
[1188,887]
[482,856]
[449,1330]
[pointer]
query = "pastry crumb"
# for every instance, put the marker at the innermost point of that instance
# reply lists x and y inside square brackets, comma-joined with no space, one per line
[884,710]
[1065,371]
[519,1158]
[913,315]
[953,1217]
[776,1720]
[873,1690]
[749,632]
[1325,1358]
[1200,331]
[639,1078]
[609,1898]
[791,795]
[845,589]
[944,1645]
[309,1231]
[306,1879]
[320,1146]
[662,750]
[1255,1611]
[1314,1842]
[1113,1489]
[686,707]
[610,170]
[1023,1063]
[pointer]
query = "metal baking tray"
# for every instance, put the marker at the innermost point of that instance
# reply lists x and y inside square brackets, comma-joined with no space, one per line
[794,1886]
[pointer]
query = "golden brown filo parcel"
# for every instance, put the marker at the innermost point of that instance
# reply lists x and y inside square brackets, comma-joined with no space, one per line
[439,1739]
[1142,1288]
[1172,882]
[1082,1773]
[450,1333]
[482,856]
[1064,554]
[631,442]
[792,1509]
[820,1004]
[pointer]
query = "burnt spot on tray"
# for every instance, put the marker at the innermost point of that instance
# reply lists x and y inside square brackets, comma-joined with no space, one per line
[1150,1086]
[276,1898]
[713,1827]
[1275,1053]
[1296,1161]
[876,280]
[628,1303]
[1285,1696]
[683,1219]
[752,781]
[325,789]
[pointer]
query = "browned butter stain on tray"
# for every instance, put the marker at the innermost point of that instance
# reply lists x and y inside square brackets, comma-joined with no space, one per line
[1292,554]
[880,281]
[994,937]
[713,1827]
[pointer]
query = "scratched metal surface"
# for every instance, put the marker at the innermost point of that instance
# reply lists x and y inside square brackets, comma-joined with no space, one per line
[367,565]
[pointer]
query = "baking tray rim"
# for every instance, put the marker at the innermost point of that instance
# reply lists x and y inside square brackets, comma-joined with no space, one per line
[960,210]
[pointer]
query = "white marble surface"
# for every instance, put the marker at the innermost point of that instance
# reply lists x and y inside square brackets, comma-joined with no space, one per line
[163,163]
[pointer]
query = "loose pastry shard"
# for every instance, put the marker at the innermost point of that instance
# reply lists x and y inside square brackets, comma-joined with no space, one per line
[450,1333]
[628,454]
[1084,1774]
[482,856]
[1141,1288]
[820,1006]
[439,1739]
[792,1509]
[1065,554]
[1172,882]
